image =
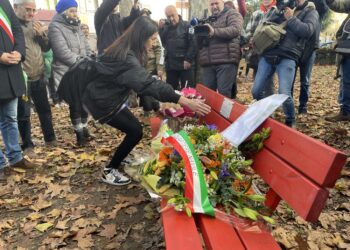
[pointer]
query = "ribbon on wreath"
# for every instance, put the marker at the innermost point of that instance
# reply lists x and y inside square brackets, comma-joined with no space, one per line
[195,187]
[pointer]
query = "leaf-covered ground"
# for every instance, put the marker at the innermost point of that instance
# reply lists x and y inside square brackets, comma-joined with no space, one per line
[64,205]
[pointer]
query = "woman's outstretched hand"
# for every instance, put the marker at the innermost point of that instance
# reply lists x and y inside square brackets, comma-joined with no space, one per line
[195,105]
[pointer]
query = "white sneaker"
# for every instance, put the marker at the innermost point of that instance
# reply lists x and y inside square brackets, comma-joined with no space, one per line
[114,177]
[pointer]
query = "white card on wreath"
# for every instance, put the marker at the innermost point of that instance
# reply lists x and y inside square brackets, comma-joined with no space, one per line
[252,118]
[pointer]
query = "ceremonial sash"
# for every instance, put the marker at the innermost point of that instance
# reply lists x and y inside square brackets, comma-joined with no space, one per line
[5,24]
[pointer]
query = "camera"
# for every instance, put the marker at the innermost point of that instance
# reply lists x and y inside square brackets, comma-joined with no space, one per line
[200,29]
[282,4]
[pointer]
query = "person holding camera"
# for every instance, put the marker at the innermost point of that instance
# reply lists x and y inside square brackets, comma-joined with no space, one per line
[37,42]
[180,49]
[300,19]
[219,52]
[109,25]
[343,48]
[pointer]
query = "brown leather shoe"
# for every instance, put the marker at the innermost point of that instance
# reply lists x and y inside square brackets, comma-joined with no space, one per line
[338,118]
[24,163]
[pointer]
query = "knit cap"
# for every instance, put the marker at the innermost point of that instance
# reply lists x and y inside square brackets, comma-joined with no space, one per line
[63,5]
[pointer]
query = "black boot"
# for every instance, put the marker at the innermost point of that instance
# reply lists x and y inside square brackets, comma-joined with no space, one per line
[87,134]
[81,139]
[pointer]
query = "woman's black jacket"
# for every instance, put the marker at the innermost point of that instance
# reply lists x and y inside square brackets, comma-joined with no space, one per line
[104,96]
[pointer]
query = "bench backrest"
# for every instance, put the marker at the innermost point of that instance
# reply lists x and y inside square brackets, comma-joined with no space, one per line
[297,168]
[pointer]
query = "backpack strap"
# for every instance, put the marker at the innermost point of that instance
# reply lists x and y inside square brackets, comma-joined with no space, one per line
[284,24]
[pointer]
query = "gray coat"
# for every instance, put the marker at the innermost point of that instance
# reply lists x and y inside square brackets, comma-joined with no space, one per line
[68,43]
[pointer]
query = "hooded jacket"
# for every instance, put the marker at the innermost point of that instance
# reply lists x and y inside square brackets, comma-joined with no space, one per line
[299,29]
[68,44]
[105,95]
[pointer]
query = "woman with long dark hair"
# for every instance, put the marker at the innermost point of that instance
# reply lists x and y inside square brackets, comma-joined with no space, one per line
[106,95]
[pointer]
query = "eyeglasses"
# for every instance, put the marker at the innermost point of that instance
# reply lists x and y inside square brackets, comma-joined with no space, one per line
[29,10]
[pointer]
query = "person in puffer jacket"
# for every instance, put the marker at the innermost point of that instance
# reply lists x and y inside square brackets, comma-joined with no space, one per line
[69,44]
[220,53]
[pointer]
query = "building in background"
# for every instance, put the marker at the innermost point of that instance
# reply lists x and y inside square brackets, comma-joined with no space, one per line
[87,8]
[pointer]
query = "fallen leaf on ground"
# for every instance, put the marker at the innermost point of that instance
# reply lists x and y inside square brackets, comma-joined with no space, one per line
[43,226]
[28,227]
[41,204]
[109,231]
[62,224]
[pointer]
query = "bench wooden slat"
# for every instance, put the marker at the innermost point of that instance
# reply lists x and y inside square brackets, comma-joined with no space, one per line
[241,234]
[214,118]
[303,195]
[219,234]
[180,231]
[258,240]
[318,161]
[272,200]
[315,159]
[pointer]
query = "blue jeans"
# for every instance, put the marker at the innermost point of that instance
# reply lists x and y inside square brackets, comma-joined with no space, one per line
[340,95]
[285,70]
[9,131]
[305,76]
[346,85]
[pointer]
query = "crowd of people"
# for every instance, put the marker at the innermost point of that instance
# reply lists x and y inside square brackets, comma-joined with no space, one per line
[151,59]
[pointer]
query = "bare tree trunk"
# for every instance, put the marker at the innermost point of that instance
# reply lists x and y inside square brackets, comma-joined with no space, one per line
[197,8]
[125,7]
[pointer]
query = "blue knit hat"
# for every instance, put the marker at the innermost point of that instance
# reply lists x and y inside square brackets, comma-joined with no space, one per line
[63,5]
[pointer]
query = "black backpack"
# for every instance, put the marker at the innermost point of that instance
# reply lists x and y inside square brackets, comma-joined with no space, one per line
[77,78]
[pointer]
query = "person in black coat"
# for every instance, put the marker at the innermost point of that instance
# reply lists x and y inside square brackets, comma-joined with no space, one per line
[105,96]
[180,48]
[109,25]
[12,85]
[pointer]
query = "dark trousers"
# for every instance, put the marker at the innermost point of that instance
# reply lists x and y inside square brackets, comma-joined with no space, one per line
[222,78]
[77,114]
[148,103]
[52,91]
[126,122]
[173,77]
[38,93]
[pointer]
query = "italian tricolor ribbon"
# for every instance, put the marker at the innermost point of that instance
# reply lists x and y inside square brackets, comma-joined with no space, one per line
[195,188]
[5,24]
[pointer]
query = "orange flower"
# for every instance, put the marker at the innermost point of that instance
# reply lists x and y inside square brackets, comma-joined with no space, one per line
[242,185]
[208,163]
[164,154]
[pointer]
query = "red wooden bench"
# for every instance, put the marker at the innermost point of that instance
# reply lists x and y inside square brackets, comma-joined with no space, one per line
[298,169]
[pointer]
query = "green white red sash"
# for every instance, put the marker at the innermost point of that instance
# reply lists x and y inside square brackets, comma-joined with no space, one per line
[5,24]
[195,188]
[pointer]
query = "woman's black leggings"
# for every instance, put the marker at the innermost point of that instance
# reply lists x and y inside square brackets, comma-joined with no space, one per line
[126,122]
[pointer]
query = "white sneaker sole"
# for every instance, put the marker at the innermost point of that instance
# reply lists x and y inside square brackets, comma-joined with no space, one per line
[115,184]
